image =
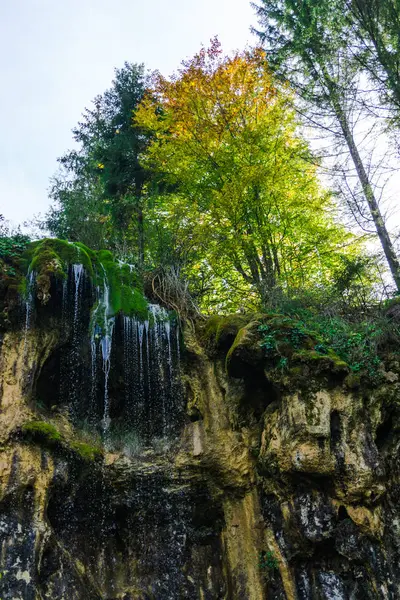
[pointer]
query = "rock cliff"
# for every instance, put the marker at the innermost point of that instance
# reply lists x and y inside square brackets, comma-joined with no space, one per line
[146,459]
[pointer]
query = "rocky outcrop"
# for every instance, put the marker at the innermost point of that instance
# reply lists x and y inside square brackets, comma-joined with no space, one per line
[276,478]
[327,472]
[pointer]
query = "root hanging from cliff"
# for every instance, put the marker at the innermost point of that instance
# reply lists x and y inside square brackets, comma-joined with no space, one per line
[168,287]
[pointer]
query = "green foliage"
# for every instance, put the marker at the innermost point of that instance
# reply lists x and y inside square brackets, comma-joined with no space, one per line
[41,432]
[282,334]
[240,185]
[317,331]
[205,178]
[268,340]
[312,45]
[12,246]
[357,343]
[86,451]
[103,179]
[268,561]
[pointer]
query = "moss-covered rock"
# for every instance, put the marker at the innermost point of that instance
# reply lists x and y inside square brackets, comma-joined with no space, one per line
[41,254]
[282,348]
[42,433]
[85,451]
[51,259]
[329,361]
[125,287]
[48,436]
[219,332]
[245,352]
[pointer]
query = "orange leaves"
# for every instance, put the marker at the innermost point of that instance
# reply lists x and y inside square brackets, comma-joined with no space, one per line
[211,95]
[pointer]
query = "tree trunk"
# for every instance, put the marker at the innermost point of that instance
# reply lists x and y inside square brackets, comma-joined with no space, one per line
[140,231]
[368,192]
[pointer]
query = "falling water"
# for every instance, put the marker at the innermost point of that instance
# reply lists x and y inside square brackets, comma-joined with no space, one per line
[160,316]
[149,390]
[106,345]
[103,329]
[134,367]
[132,268]
[64,362]
[178,347]
[150,373]
[77,271]
[140,356]
[74,354]
[93,351]
[29,301]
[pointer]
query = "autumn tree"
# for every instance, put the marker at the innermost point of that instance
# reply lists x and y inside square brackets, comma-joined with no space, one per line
[239,179]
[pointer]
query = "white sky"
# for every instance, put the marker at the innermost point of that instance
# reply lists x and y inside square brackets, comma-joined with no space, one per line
[55,56]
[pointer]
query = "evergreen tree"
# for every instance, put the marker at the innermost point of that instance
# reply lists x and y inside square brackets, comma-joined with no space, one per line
[375,26]
[99,190]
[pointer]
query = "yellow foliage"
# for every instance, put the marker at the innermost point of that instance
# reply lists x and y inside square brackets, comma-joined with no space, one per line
[246,191]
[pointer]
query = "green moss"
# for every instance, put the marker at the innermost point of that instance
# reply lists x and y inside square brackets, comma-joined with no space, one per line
[53,257]
[221,331]
[85,451]
[91,253]
[47,435]
[240,337]
[352,381]
[330,360]
[41,432]
[125,287]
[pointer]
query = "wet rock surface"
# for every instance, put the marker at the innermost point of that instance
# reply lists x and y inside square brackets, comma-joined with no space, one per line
[162,465]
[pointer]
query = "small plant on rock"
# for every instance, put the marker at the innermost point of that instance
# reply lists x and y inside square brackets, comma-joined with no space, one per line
[268,561]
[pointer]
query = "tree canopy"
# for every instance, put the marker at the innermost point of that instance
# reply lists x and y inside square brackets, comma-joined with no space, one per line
[313,45]
[204,180]
[98,190]
[238,176]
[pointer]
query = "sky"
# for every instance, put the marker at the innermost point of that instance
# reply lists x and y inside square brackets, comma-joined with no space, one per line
[55,57]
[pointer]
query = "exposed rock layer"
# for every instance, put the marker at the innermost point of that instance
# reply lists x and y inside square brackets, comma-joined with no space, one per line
[278,487]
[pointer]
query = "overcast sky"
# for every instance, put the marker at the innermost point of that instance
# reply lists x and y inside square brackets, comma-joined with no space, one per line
[55,56]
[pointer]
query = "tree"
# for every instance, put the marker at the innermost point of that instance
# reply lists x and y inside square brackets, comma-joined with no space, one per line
[99,189]
[306,45]
[239,177]
[375,25]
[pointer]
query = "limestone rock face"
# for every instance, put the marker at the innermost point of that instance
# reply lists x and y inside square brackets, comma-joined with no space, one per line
[272,483]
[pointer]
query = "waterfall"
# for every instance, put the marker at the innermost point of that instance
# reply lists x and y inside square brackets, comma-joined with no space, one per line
[74,358]
[150,373]
[93,362]
[119,374]
[119,378]
[106,345]
[102,330]
[29,303]
[77,271]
